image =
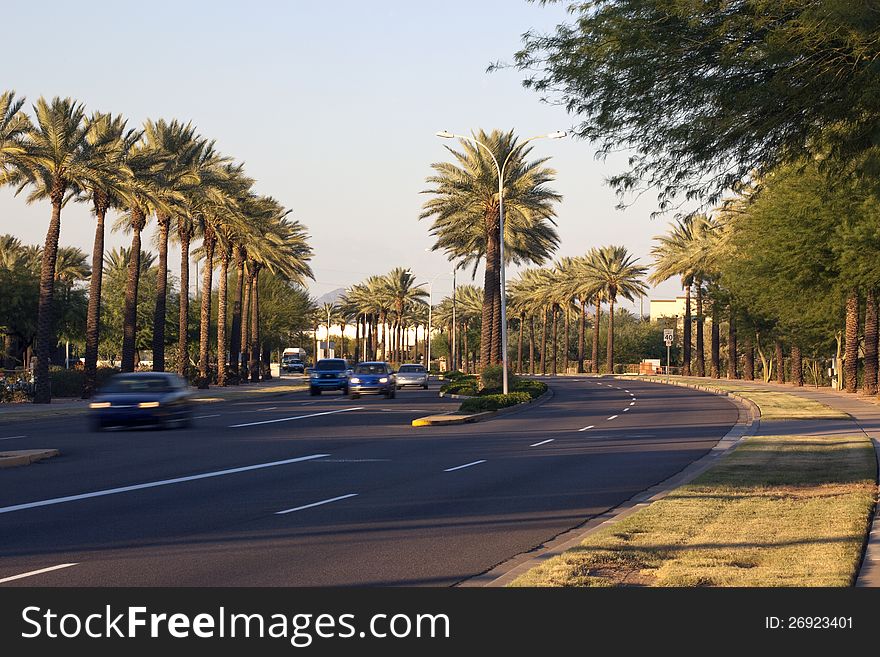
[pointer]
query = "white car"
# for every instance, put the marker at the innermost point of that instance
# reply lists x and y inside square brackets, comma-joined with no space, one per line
[412,375]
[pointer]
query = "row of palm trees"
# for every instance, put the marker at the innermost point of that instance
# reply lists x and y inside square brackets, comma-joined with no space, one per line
[165,171]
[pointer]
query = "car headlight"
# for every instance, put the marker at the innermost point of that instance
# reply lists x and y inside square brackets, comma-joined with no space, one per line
[153,404]
[384,379]
[315,375]
[354,379]
[100,405]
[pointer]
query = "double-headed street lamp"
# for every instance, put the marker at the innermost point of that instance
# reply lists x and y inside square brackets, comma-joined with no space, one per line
[444,134]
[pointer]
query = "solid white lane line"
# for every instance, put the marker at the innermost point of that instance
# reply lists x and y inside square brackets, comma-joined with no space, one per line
[298,417]
[466,465]
[314,504]
[12,437]
[543,442]
[37,572]
[205,417]
[156,484]
[611,418]
[589,427]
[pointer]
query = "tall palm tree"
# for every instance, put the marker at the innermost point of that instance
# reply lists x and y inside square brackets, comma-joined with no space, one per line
[616,272]
[180,150]
[14,127]
[55,160]
[401,290]
[465,209]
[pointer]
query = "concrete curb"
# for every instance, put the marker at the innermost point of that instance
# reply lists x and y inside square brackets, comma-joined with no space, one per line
[440,420]
[746,424]
[451,396]
[18,457]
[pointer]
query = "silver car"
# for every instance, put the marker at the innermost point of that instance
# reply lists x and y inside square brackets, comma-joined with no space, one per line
[412,375]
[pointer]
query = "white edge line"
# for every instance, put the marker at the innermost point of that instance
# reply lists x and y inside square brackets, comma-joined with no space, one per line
[543,442]
[313,504]
[466,465]
[155,484]
[298,417]
[12,437]
[612,417]
[37,572]
[589,427]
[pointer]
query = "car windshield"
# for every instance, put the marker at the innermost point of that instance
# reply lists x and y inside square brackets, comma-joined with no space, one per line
[412,369]
[330,366]
[139,384]
[370,368]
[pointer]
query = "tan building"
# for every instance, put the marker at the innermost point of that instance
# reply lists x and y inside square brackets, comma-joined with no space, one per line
[668,308]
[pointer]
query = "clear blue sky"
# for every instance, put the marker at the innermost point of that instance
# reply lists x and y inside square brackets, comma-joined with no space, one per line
[332,106]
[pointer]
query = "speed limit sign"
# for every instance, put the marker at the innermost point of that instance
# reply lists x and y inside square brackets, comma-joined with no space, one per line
[668,336]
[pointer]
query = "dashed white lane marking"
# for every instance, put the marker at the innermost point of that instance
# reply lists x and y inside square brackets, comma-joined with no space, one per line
[626,409]
[156,484]
[632,403]
[612,417]
[589,427]
[626,391]
[12,437]
[37,572]
[205,417]
[314,504]
[352,461]
[466,465]
[543,442]
[271,408]
[297,417]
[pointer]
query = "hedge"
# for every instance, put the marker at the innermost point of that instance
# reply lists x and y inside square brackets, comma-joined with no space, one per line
[493,402]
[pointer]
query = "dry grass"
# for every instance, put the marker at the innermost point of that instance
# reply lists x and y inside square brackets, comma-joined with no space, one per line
[779,511]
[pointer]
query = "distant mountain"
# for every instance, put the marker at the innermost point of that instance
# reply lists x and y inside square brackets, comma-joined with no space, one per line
[330,297]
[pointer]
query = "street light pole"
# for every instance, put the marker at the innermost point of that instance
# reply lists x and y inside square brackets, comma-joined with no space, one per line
[454,357]
[444,134]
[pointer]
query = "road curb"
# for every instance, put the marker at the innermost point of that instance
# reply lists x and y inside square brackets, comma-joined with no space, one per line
[441,420]
[503,574]
[15,458]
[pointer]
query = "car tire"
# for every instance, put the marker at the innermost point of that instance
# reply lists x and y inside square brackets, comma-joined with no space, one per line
[314,392]
[354,395]
[425,387]
[96,426]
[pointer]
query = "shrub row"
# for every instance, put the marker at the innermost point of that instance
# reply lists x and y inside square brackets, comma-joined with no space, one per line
[69,383]
[493,402]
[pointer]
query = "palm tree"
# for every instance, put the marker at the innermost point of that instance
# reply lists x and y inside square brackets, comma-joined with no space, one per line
[180,151]
[14,127]
[55,160]
[400,291]
[617,274]
[465,209]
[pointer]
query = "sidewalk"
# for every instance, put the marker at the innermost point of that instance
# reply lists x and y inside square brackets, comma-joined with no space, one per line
[67,406]
[865,413]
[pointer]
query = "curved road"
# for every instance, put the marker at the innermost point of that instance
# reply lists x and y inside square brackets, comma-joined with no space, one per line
[298,491]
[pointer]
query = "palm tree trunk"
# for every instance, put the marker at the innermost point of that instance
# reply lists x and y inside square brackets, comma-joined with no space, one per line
[43,388]
[716,342]
[205,315]
[235,332]
[686,338]
[519,346]
[544,342]
[255,325]
[129,322]
[851,355]
[797,368]
[245,325]
[164,222]
[565,342]
[610,356]
[700,364]
[184,234]
[870,349]
[555,337]
[93,317]
[748,358]
[732,360]
[488,347]
[595,363]
[582,329]
[357,338]
[779,355]
[531,343]
[221,316]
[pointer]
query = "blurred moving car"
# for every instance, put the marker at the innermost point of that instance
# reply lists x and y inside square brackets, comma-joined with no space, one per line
[329,374]
[412,375]
[138,398]
[292,365]
[372,378]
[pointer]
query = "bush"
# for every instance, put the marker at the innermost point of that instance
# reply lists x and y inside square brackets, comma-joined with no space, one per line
[69,383]
[463,385]
[493,402]
[492,378]
[533,388]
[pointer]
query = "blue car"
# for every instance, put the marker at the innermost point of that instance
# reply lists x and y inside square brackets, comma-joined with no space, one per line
[139,398]
[373,378]
[329,374]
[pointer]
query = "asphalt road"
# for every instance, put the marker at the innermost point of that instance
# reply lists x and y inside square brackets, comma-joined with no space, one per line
[298,491]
